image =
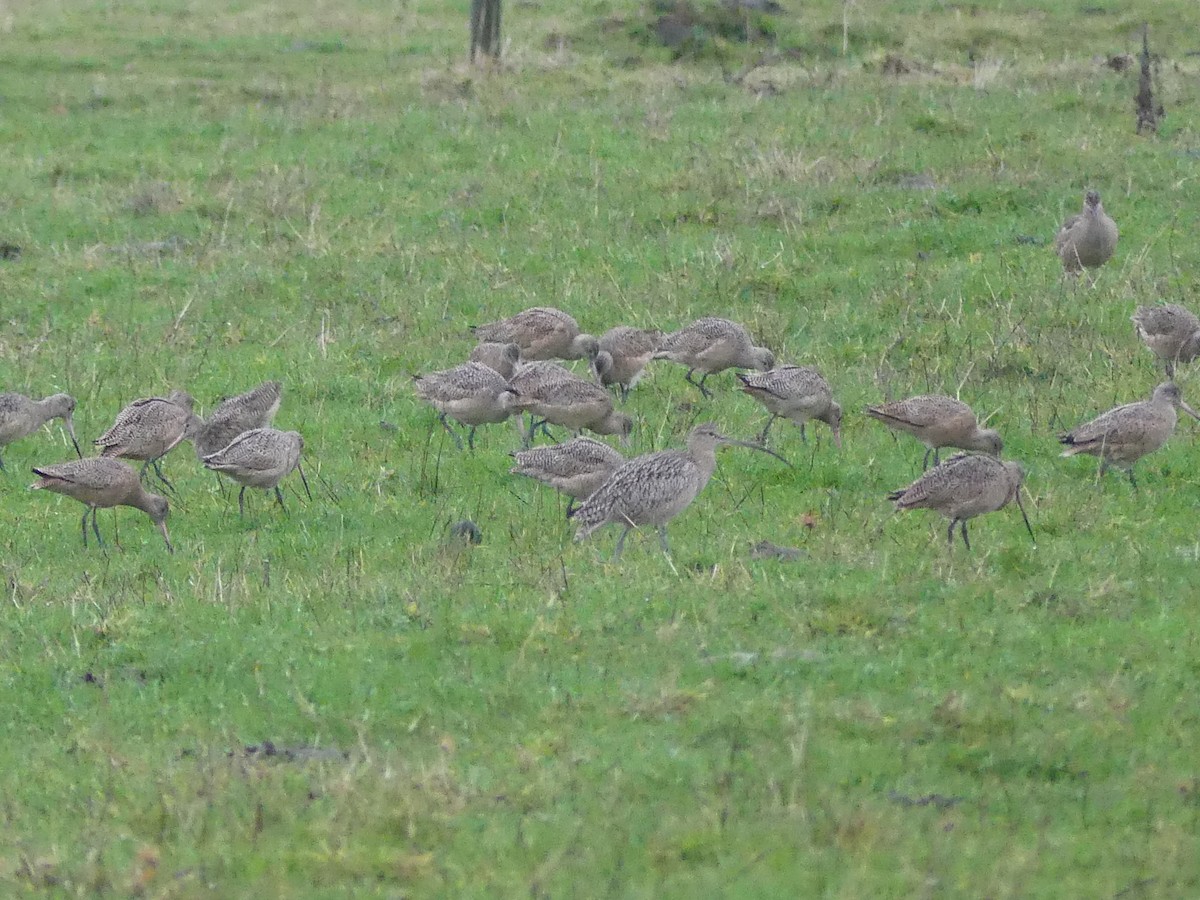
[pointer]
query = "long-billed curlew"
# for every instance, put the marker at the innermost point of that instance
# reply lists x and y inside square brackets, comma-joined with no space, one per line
[1122,436]
[503,357]
[653,489]
[963,487]
[541,332]
[623,354]
[149,429]
[938,421]
[576,468]
[798,393]
[101,482]
[1171,332]
[20,416]
[254,409]
[571,402]
[472,394]
[1088,239]
[260,458]
[712,345]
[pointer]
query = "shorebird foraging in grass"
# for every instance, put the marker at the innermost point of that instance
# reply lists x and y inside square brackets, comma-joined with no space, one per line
[21,416]
[254,409]
[1171,332]
[503,357]
[472,394]
[571,402]
[655,488]
[1088,239]
[938,421]
[712,345]
[149,429]
[260,458]
[576,468]
[1122,436]
[623,355]
[798,393]
[963,487]
[541,332]
[99,483]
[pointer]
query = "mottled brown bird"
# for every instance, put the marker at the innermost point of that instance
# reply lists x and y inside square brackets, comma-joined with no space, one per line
[541,332]
[260,458]
[575,468]
[1086,240]
[150,428]
[21,416]
[254,409]
[472,394]
[623,355]
[711,345]
[963,487]
[938,421]
[99,483]
[1171,332]
[799,393]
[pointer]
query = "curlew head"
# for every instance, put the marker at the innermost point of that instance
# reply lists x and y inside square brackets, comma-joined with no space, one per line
[986,440]
[1091,201]
[584,346]
[762,359]
[157,509]
[707,437]
[1169,392]
[602,364]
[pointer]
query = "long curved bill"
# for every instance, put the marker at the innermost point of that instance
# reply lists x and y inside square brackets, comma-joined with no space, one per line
[754,446]
[162,526]
[1021,507]
[1187,409]
[69,422]
[304,480]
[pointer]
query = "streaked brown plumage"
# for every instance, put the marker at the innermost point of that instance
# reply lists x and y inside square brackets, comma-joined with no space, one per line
[260,458]
[938,421]
[571,402]
[150,428]
[472,394]
[623,354]
[963,487]
[101,482]
[254,409]
[21,416]
[576,468]
[542,332]
[1086,240]
[1171,332]
[1122,436]
[798,393]
[654,488]
[712,345]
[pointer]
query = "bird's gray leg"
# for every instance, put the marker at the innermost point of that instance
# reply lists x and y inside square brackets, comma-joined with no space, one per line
[1131,478]
[700,384]
[950,534]
[453,433]
[279,497]
[937,456]
[966,541]
[471,439]
[925,461]
[1170,372]
[570,506]
[662,539]
[2,469]
[242,501]
[163,478]
[803,436]
[762,438]
[83,524]
[621,543]
[624,393]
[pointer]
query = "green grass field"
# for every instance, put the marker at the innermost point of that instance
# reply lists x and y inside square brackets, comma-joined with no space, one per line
[208,195]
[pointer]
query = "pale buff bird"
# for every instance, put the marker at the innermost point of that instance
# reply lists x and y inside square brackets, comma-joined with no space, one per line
[472,394]
[99,483]
[1086,240]
[963,487]
[260,458]
[254,409]
[1122,436]
[541,332]
[495,355]
[799,393]
[655,488]
[1171,332]
[148,429]
[575,468]
[712,345]
[21,416]
[623,354]
[938,421]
